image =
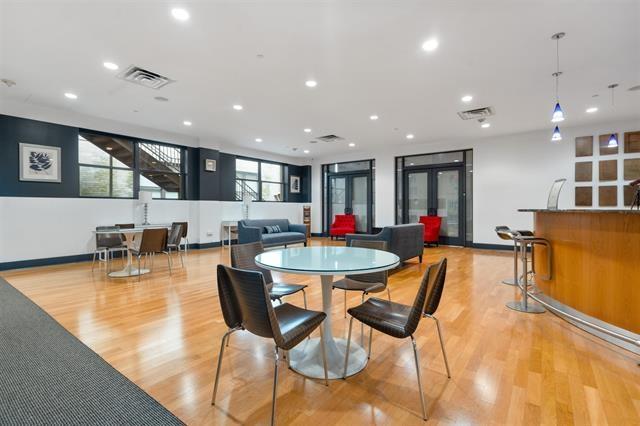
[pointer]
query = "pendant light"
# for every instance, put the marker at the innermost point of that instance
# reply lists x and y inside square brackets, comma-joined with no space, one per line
[558,114]
[613,139]
[556,135]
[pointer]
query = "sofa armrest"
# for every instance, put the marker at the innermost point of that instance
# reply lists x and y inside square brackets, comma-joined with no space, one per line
[248,234]
[301,228]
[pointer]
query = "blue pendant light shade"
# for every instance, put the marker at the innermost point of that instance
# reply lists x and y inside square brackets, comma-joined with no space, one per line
[556,135]
[613,141]
[558,114]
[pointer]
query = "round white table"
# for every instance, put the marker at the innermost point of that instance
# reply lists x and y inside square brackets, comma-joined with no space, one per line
[306,358]
[129,240]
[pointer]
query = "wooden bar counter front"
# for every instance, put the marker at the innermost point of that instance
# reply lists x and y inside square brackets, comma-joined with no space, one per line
[595,261]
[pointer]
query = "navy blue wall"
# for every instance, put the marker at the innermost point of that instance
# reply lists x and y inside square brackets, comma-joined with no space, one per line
[201,185]
[15,130]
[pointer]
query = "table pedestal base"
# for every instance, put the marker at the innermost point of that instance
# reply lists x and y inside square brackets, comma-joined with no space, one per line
[128,271]
[306,358]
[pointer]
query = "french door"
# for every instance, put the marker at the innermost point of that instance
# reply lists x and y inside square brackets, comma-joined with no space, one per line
[351,193]
[437,191]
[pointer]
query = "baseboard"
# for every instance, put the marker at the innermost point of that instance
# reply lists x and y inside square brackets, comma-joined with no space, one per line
[484,246]
[317,234]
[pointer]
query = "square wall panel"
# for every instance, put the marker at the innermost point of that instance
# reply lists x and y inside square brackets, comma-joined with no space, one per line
[584,196]
[608,170]
[632,142]
[608,196]
[631,168]
[584,171]
[584,146]
[604,142]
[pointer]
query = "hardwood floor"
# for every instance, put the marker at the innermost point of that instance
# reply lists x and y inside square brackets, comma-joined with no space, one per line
[164,333]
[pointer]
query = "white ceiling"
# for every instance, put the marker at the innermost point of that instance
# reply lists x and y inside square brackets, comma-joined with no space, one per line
[366,57]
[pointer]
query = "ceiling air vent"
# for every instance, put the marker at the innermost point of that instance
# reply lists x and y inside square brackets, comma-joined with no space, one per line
[475,114]
[330,138]
[144,77]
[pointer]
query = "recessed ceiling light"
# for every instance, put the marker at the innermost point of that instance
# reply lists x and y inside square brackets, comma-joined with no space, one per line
[307,130]
[161,99]
[109,148]
[311,83]
[70,95]
[430,45]
[258,140]
[485,125]
[373,117]
[591,110]
[180,14]
[110,66]
[237,107]
[187,123]
[306,151]
[467,98]
[410,136]
[352,144]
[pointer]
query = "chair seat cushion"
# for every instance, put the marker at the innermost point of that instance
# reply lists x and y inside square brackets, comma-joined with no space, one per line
[354,285]
[386,317]
[279,290]
[341,231]
[283,238]
[296,323]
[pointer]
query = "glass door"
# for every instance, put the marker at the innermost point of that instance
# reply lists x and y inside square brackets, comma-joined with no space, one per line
[350,193]
[436,191]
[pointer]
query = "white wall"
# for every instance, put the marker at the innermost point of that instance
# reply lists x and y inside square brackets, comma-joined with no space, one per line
[510,173]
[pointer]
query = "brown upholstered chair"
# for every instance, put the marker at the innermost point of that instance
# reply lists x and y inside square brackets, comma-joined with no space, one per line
[153,241]
[401,321]
[246,305]
[174,239]
[243,257]
[374,282]
[107,244]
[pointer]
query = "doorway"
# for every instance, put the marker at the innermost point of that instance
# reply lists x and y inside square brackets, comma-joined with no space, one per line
[351,194]
[437,191]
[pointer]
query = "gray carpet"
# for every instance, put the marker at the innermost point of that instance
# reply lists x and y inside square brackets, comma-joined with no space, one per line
[47,376]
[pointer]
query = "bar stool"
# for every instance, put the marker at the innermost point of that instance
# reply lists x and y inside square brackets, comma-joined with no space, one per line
[505,233]
[526,241]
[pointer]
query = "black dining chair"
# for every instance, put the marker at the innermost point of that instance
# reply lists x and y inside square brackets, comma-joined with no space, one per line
[174,238]
[401,321]
[107,243]
[246,305]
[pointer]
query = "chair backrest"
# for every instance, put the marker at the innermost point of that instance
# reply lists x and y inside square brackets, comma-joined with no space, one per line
[430,221]
[425,293]
[345,219]
[254,304]
[504,232]
[243,257]
[228,302]
[185,228]
[153,240]
[373,277]
[434,293]
[175,234]
[108,240]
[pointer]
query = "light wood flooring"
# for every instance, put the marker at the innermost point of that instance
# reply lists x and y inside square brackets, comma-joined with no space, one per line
[511,368]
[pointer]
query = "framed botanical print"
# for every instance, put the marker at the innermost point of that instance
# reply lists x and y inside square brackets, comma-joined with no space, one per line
[40,163]
[210,165]
[294,184]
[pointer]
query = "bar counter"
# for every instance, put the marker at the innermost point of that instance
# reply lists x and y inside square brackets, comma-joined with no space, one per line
[595,265]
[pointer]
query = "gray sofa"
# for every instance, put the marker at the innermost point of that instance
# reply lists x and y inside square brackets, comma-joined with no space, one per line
[403,240]
[252,230]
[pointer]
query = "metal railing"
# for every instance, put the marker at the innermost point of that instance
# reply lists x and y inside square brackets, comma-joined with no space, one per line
[166,155]
[242,187]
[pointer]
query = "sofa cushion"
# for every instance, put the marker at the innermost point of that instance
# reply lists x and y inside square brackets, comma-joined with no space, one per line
[261,223]
[272,229]
[283,238]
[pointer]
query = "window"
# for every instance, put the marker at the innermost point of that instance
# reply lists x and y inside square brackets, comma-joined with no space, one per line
[160,170]
[260,181]
[105,166]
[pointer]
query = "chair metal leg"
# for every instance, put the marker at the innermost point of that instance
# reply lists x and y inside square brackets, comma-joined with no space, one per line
[345,303]
[139,267]
[168,261]
[93,262]
[346,354]
[362,325]
[444,352]
[415,355]
[324,357]
[222,346]
[275,389]
[388,294]
[370,340]
[304,296]
[181,259]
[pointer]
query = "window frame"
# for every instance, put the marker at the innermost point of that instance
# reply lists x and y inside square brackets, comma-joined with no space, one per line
[260,181]
[136,169]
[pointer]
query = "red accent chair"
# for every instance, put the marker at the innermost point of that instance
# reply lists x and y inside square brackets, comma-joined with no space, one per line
[342,225]
[431,229]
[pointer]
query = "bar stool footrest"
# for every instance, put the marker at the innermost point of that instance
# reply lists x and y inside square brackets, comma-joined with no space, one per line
[530,308]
